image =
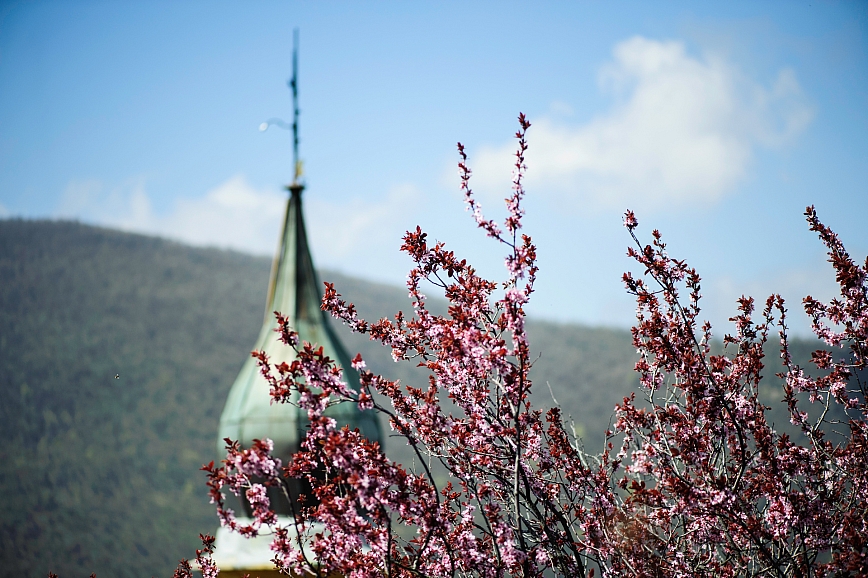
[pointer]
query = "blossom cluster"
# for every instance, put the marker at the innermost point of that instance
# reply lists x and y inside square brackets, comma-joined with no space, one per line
[712,487]
[204,561]
[693,480]
[245,472]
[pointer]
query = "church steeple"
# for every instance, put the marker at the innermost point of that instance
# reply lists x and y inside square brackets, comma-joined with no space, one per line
[293,290]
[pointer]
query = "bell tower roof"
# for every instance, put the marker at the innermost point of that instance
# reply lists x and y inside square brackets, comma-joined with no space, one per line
[249,413]
[294,291]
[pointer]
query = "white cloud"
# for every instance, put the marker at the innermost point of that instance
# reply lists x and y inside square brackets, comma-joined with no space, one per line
[232,215]
[4,212]
[347,232]
[350,236]
[80,196]
[561,108]
[681,130]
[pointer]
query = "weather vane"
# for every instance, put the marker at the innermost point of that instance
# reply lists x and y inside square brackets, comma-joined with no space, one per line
[293,84]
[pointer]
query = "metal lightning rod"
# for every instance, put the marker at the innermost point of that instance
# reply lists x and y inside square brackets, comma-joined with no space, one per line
[293,84]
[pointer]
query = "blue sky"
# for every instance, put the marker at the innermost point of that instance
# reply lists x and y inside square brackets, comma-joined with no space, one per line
[716,122]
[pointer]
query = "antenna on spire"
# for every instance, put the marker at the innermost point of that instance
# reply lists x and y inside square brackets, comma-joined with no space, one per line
[293,84]
[296,186]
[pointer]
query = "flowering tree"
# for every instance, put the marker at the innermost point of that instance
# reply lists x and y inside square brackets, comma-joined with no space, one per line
[693,479]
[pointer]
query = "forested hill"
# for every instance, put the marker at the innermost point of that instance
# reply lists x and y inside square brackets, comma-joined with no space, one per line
[117,352]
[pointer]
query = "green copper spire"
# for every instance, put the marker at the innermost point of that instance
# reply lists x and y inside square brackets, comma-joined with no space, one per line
[249,414]
[293,290]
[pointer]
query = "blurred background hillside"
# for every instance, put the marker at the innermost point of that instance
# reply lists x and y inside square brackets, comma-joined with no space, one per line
[117,351]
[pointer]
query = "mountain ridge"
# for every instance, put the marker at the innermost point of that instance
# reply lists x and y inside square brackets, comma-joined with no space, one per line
[117,351]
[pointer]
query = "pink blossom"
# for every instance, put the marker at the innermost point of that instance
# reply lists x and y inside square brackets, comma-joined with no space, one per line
[692,480]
